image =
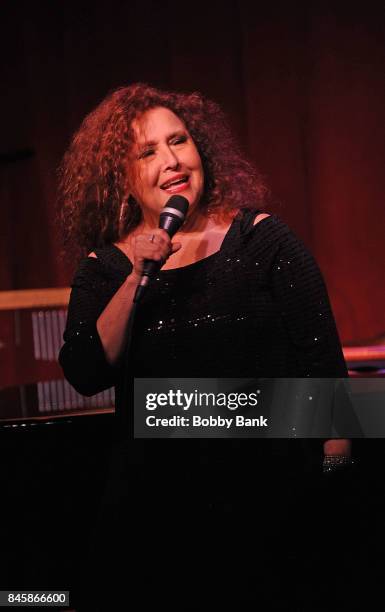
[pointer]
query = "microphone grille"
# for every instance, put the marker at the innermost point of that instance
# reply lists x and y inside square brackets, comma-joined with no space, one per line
[179,203]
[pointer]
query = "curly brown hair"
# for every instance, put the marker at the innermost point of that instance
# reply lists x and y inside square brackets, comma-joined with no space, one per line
[93,177]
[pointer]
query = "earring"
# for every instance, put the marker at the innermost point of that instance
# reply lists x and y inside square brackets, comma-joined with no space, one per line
[123,206]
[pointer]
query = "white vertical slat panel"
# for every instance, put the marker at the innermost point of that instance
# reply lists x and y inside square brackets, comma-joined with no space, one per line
[35,332]
[42,334]
[48,335]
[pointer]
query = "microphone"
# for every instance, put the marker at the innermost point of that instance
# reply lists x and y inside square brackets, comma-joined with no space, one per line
[171,219]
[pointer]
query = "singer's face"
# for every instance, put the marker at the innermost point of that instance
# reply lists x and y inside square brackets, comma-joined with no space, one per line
[165,161]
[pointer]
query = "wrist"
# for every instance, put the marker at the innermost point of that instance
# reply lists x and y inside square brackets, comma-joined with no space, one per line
[337,446]
[133,279]
[336,463]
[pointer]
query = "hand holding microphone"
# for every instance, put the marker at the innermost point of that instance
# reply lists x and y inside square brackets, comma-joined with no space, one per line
[151,252]
[156,247]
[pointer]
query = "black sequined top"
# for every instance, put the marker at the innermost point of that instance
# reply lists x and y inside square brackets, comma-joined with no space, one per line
[256,308]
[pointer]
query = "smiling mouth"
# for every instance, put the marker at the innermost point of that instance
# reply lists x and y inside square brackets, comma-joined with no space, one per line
[180,181]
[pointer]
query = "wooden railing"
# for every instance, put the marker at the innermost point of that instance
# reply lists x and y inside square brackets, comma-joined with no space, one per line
[34,298]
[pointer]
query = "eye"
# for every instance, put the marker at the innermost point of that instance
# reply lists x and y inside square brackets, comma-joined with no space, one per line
[146,153]
[179,140]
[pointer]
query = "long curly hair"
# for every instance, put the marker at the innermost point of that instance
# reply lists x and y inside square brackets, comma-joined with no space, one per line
[93,176]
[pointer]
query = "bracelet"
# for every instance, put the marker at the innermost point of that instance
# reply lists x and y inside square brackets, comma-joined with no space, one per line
[333,463]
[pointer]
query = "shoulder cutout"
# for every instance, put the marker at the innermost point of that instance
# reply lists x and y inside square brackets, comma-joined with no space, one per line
[93,255]
[259,217]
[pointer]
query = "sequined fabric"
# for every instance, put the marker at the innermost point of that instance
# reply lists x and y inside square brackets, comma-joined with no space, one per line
[258,307]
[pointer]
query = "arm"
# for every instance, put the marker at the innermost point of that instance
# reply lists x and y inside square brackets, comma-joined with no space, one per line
[112,322]
[304,304]
[82,356]
[98,316]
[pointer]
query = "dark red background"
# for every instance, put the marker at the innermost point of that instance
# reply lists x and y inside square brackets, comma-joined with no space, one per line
[303,84]
[303,87]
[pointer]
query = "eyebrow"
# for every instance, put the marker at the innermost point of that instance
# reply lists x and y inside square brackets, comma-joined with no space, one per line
[152,143]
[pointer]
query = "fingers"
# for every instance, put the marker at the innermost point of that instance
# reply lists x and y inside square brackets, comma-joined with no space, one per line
[152,246]
[162,234]
[156,246]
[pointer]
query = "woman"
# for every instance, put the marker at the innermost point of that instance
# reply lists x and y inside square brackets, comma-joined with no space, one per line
[237,294]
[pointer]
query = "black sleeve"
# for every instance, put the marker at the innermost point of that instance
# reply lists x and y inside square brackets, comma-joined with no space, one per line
[303,302]
[82,356]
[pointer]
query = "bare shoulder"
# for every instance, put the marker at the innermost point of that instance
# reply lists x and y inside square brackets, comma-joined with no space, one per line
[260,217]
[93,255]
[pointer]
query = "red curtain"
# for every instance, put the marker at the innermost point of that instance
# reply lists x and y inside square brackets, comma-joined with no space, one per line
[303,87]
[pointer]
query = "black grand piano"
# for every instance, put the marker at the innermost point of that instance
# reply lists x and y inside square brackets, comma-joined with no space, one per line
[54,449]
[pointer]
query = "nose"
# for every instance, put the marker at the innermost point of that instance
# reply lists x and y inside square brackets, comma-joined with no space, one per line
[169,159]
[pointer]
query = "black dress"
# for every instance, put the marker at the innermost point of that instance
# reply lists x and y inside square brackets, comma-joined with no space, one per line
[256,308]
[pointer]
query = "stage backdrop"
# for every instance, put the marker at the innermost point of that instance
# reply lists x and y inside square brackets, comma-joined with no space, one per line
[303,87]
